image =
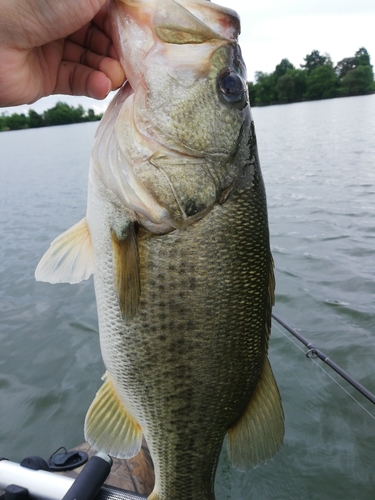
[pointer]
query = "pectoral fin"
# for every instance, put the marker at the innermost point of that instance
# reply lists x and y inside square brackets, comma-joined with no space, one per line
[69,258]
[259,433]
[126,270]
[109,427]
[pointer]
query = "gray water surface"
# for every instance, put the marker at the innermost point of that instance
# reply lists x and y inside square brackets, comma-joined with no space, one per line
[318,161]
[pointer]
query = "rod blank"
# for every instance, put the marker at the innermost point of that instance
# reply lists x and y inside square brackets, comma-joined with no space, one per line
[314,350]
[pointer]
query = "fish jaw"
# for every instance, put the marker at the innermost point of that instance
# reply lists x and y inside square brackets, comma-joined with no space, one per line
[174,78]
[139,26]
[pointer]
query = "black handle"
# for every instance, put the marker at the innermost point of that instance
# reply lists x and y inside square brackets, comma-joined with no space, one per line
[91,478]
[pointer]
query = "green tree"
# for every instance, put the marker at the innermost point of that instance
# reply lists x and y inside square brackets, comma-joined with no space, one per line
[282,68]
[315,60]
[362,57]
[63,114]
[285,88]
[322,83]
[252,92]
[358,81]
[91,116]
[356,74]
[345,65]
[17,122]
[292,86]
[60,114]
[35,120]
[265,88]
[3,122]
[78,114]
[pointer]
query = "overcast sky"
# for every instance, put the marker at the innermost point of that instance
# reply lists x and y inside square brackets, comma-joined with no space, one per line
[277,29]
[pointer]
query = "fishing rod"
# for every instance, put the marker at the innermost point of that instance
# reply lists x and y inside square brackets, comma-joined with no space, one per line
[315,352]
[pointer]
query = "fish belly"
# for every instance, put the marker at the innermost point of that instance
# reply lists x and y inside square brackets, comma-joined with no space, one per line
[186,365]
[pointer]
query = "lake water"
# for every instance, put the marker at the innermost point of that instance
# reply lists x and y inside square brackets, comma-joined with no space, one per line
[318,161]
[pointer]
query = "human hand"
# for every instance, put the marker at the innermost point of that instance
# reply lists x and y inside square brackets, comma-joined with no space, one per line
[56,47]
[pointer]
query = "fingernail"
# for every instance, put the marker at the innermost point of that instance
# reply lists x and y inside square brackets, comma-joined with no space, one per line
[109,86]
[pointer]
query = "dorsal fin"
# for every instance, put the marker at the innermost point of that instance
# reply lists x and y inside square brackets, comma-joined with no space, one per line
[69,258]
[126,271]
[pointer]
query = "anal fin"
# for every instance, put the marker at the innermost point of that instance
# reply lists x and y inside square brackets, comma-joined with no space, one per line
[126,271]
[109,427]
[258,434]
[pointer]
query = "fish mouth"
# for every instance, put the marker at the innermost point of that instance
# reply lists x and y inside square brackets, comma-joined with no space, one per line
[182,36]
[170,22]
[195,21]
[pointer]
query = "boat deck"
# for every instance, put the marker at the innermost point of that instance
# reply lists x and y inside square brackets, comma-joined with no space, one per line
[135,475]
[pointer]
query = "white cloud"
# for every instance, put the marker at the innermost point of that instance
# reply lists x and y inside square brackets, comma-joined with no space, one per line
[277,29]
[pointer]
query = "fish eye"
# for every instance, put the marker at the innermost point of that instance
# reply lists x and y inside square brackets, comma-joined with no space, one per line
[231,86]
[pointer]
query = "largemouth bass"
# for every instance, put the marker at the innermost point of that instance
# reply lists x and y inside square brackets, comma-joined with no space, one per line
[176,234]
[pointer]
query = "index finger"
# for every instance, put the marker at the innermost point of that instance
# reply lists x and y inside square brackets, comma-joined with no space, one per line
[93,38]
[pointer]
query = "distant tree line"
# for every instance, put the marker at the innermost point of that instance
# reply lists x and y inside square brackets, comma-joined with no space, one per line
[317,78]
[61,114]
